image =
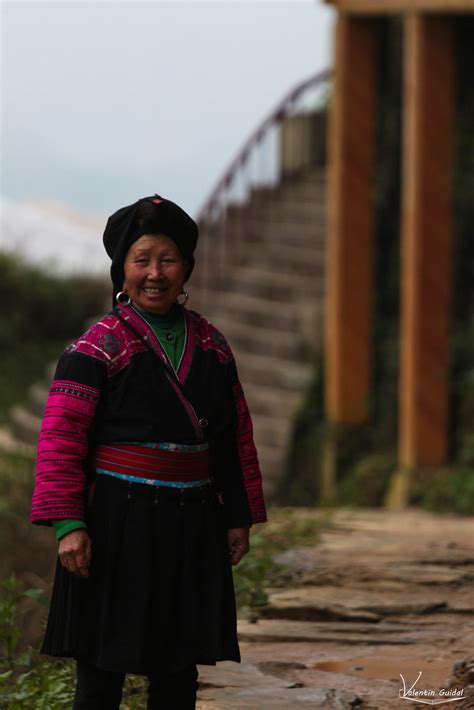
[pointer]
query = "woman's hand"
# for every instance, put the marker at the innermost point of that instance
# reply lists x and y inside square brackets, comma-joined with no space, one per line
[75,552]
[238,539]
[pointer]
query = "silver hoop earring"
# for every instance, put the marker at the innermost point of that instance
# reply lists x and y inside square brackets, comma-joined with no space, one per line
[120,298]
[186,298]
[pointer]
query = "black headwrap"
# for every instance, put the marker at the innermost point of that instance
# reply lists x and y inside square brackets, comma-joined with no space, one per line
[149,215]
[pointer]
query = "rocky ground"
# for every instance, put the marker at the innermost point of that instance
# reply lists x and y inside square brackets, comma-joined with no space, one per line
[381,595]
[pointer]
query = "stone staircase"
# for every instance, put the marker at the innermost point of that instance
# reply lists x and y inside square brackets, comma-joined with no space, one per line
[270,304]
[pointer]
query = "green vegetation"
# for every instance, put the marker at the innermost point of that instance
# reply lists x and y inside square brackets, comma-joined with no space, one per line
[41,314]
[258,571]
[29,681]
[445,489]
[25,682]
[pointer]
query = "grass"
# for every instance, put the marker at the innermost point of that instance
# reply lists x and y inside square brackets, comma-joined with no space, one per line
[258,572]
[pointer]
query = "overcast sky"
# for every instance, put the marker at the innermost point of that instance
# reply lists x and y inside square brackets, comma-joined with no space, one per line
[104,102]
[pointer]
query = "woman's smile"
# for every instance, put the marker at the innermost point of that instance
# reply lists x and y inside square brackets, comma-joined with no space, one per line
[155,290]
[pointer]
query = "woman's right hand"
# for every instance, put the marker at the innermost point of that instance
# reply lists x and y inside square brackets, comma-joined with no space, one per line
[75,552]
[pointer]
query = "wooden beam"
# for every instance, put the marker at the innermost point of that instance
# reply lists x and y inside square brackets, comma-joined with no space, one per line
[426,241]
[381,7]
[349,266]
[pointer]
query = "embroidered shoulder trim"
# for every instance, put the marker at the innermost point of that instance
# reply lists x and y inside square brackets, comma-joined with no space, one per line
[208,337]
[109,341]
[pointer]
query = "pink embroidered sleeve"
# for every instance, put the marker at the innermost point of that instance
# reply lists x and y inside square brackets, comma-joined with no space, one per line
[62,448]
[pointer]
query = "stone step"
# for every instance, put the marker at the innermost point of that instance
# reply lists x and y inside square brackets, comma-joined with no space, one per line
[281,287]
[271,431]
[302,192]
[259,312]
[287,258]
[297,207]
[304,322]
[296,253]
[271,276]
[308,175]
[246,687]
[24,425]
[347,632]
[272,371]
[302,233]
[271,465]
[316,602]
[259,193]
[304,605]
[309,209]
[283,204]
[279,245]
[270,401]
[278,343]
[261,282]
[263,242]
[270,458]
[293,229]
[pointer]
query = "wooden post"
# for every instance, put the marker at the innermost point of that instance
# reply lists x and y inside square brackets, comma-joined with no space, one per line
[426,247]
[349,251]
[350,223]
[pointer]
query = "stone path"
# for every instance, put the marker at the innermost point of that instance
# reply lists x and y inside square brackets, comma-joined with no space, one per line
[382,594]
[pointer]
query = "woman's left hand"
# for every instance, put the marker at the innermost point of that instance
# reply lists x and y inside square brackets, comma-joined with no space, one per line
[238,539]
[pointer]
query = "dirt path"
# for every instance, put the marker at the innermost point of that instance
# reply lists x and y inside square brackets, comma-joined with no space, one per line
[382,594]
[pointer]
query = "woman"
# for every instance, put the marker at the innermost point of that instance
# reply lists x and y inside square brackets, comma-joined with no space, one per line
[148,472]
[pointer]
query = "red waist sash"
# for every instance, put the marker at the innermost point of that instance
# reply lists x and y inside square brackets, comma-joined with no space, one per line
[154,463]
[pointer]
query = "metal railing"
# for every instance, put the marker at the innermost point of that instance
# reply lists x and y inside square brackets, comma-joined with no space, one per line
[256,165]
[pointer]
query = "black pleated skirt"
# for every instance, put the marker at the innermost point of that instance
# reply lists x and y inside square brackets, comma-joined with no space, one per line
[160,592]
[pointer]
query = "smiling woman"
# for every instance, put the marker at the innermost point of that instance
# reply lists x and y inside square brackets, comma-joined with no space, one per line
[148,473]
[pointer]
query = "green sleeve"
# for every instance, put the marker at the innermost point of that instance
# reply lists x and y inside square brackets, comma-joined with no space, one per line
[63,527]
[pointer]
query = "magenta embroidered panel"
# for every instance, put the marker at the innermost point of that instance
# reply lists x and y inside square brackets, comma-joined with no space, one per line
[208,337]
[62,447]
[109,341]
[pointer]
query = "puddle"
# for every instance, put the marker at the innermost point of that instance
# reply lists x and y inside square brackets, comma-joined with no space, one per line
[435,672]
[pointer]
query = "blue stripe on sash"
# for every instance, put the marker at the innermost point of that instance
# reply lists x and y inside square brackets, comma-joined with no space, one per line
[153,482]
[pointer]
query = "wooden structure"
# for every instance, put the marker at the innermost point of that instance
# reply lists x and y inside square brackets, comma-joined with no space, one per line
[426,225]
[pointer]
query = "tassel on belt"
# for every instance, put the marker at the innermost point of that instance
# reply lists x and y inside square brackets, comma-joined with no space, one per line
[170,463]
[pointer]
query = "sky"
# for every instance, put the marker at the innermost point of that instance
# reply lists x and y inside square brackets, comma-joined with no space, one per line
[105,102]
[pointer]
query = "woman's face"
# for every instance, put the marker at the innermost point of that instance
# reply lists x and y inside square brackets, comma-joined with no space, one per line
[154,272]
